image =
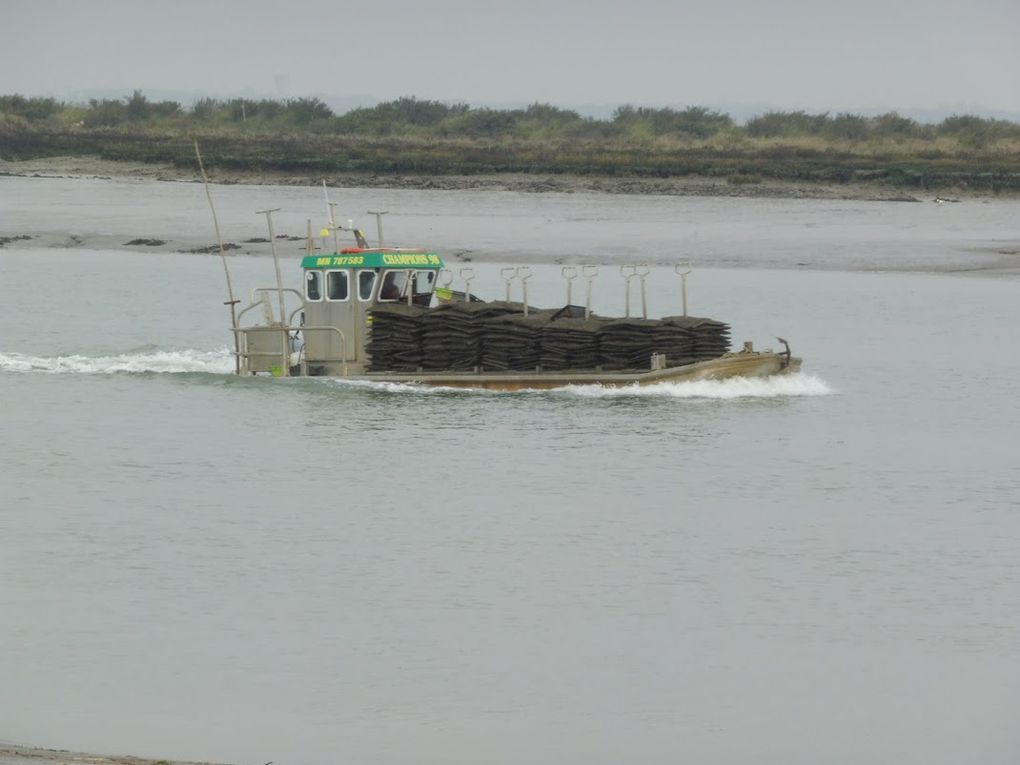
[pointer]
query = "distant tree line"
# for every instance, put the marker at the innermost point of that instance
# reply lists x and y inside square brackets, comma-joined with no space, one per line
[422,119]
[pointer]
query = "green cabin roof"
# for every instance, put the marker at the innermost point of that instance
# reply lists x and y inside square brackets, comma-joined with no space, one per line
[374,259]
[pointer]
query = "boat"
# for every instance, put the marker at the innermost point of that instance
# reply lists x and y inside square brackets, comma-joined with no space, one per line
[390,315]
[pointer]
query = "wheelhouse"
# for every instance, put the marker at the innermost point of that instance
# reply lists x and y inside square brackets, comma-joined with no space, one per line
[340,290]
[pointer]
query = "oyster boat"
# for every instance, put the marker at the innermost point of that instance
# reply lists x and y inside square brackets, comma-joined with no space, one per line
[380,314]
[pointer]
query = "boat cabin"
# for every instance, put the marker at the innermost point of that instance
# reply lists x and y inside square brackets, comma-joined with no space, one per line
[340,290]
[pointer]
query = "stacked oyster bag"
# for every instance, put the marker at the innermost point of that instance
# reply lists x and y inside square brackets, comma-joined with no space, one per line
[497,336]
[711,338]
[452,333]
[627,343]
[676,342]
[571,343]
[513,341]
[394,342]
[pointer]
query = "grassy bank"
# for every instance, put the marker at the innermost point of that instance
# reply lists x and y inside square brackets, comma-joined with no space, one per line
[964,154]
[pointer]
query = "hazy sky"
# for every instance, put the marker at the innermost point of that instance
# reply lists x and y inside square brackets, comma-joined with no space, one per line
[812,54]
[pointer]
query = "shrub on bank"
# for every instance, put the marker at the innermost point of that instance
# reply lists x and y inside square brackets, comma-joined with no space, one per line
[418,136]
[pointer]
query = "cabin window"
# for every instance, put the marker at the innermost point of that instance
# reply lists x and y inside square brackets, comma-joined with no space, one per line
[337,285]
[394,286]
[366,283]
[313,285]
[424,282]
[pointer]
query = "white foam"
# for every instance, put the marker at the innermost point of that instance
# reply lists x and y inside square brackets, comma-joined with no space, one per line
[397,387]
[733,388]
[222,362]
[169,362]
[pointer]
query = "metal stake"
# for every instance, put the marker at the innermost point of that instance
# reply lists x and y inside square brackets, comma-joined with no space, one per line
[508,274]
[642,271]
[524,273]
[628,272]
[569,273]
[378,224]
[589,273]
[467,274]
[683,268]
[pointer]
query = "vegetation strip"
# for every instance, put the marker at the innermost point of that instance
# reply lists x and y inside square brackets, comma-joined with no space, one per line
[416,137]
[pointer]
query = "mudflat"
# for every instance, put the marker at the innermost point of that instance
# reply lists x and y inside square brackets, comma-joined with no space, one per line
[103,205]
[95,167]
[25,755]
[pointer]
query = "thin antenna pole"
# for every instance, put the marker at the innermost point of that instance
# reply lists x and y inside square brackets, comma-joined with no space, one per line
[276,259]
[378,224]
[329,207]
[332,225]
[232,302]
[284,361]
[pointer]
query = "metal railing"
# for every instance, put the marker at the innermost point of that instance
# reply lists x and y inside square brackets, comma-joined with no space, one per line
[285,330]
[257,301]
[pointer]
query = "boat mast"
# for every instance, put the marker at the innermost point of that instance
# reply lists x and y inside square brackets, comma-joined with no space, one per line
[276,259]
[329,207]
[232,301]
[285,337]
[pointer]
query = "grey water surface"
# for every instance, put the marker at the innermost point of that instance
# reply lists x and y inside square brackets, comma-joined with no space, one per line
[821,569]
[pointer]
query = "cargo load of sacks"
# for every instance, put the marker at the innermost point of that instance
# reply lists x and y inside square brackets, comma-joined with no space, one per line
[498,337]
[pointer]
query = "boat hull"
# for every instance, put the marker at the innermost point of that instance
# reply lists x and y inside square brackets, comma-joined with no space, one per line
[754,364]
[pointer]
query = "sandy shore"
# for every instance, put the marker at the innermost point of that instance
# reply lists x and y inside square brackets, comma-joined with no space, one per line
[185,243]
[23,755]
[94,167]
[1001,257]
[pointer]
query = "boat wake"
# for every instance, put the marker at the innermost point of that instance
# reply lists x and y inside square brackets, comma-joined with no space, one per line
[734,388]
[166,362]
[221,362]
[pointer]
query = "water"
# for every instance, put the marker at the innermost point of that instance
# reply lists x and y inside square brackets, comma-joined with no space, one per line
[816,569]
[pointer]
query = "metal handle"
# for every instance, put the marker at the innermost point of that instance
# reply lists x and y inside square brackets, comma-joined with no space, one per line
[683,268]
[642,270]
[508,274]
[524,273]
[589,273]
[627,271]
[569,273]
[467,274]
